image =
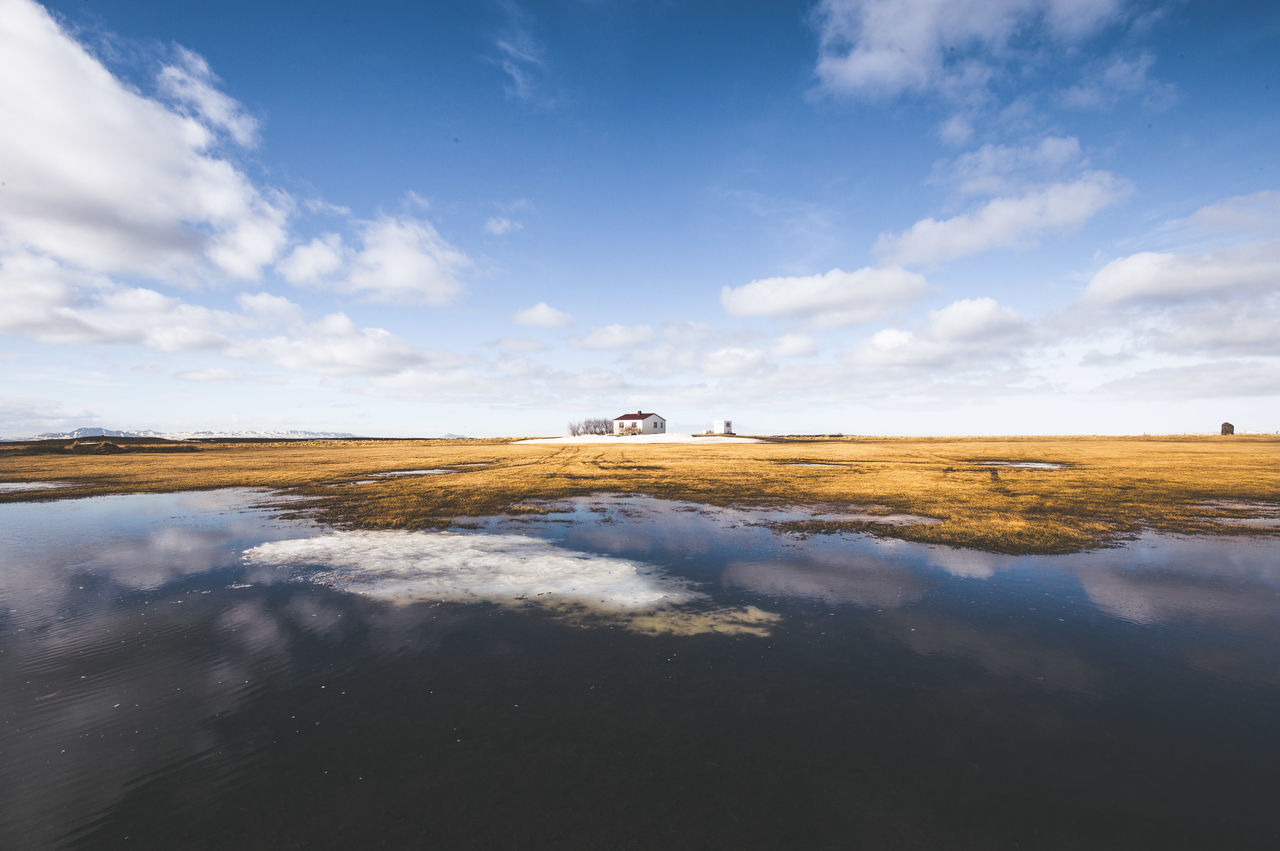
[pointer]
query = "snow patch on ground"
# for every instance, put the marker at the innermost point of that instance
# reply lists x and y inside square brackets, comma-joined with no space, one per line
[642,438]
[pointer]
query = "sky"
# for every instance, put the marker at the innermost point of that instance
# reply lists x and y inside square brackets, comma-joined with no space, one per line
[493,218]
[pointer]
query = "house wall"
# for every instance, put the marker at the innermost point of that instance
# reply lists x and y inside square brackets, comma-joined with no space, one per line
[649,425]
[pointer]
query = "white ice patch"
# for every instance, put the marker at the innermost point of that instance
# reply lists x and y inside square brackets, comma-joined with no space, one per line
[1024,465]
[641,438]
[456,567]
[6,487]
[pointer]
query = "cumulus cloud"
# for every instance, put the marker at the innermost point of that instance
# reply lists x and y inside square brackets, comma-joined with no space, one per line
[313,262]
[54,304]
[836,297]
[884,48]
[965,334]
[105,179]
[1164,277]
[405,260]
[615,337]
[334,345]
[1244,266]
[542,315]
[271,309]
[1004,222]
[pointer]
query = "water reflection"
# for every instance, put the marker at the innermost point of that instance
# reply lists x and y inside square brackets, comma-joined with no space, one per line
[159,686]
[1223,582]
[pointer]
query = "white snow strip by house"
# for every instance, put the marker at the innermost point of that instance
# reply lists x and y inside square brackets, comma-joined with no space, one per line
[642,438]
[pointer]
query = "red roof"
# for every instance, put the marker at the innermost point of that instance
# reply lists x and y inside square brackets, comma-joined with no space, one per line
[638,415]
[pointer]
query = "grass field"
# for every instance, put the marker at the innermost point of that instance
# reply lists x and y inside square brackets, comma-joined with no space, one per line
[1105,490]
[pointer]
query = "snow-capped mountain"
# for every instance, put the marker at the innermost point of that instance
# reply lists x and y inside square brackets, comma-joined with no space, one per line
[291,434]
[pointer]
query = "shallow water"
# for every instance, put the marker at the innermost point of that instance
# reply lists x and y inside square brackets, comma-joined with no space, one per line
[164,689]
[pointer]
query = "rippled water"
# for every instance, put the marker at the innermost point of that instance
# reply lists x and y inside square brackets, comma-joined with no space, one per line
[186,671]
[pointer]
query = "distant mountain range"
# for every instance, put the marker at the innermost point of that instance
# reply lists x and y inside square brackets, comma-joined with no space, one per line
[291,434]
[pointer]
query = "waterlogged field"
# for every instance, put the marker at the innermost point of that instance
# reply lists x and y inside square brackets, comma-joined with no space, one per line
[1013,495]
[485,644]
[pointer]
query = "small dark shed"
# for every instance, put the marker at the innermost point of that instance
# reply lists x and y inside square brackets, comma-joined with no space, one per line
[1228,428]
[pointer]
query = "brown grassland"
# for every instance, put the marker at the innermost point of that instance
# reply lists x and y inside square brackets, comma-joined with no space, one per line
[1108,488]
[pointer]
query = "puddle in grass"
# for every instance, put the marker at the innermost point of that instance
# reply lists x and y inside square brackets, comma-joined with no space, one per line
[188,669]
[1023,465]
[10,487]
[1245,513]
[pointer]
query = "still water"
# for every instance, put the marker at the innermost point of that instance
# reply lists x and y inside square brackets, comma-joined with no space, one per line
[191,671]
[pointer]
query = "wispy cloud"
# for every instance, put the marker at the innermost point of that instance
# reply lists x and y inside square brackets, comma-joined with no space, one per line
[1106,84]
[521,56]
[884,48]
[501,225]
[190,82]
[1004,222]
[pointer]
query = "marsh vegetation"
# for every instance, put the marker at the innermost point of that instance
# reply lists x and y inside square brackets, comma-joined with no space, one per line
[1012,495]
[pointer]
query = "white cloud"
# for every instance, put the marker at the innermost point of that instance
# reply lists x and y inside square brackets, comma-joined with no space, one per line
[1214,379]
[1107,84]
[53,304]
[794,346]
[884,48]
[956,130]
[836,297]
[313,262]
[1001,169]
[734,360]
[1257,214]
[405,260]
[269,308]
[615,337]
[1003,222]
[519,345]
[973,319]
[542,315]
[1156,277]
[501,225]
[966,334]
[209,374]
[105,179]
[521,57]
[334,345]
[189,81]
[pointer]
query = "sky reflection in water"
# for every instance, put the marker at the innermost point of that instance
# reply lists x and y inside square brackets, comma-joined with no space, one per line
[158,685]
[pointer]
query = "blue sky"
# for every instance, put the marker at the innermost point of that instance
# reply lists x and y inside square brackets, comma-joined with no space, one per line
[491,218]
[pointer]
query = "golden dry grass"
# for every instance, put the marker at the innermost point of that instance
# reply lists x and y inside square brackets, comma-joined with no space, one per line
[1109,487]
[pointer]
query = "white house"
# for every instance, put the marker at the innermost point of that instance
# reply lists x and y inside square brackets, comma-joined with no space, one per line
[722,427]
[639,423]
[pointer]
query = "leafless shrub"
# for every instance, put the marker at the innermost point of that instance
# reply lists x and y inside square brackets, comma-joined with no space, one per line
[592,425]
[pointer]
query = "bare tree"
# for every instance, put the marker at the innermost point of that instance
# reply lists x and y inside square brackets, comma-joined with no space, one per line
[592,425]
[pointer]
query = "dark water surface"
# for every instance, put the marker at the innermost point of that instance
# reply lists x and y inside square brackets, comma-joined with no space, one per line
[160,689]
